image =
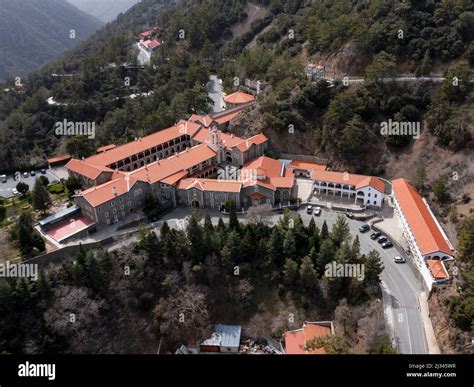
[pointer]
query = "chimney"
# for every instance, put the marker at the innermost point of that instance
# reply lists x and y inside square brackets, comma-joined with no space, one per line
[114,191]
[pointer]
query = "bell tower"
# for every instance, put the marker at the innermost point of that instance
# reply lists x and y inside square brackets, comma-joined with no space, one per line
[216,143]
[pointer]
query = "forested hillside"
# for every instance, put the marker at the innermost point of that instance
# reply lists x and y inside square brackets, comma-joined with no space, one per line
[104,10]
[34,32]
[377,41]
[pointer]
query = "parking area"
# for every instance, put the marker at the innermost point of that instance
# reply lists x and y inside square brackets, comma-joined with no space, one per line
[53,174]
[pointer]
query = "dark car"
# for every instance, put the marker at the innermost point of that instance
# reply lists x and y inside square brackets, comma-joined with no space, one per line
[382,239]
[32,173]
[375,235]
[364,228]
[387,245]
[43,171]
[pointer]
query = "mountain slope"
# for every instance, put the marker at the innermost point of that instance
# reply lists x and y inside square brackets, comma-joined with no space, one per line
[104,10]
[33,32]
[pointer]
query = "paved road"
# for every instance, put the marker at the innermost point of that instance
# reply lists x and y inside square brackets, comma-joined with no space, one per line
[6,189]
[214,89]
[400,280]
[143,55]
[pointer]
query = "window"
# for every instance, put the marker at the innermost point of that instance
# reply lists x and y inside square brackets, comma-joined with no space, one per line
[99,209]
[375,195]
[375,202]
[107,214]
[369,195]
[129,204]
[115,210]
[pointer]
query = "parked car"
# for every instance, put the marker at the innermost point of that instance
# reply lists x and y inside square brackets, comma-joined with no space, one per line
[25,174]
[364,228]
[317,211]
[15,192]
[375,235]
[309,209]
[382,239]
[43,171]
[32,173]
[387,245]
[4,178]
[398,259]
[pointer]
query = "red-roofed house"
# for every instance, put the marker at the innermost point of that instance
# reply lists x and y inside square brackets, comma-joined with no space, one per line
[428,242]
[238,98]
[366,190]
[296,341]
[151,45]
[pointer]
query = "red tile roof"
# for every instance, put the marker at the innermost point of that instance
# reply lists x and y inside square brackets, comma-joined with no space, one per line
[437,269]
[255,140]
[91,171]
[229,139]
[423,225]
[142,144]
[105,148]
[274,173]
[181,162]
[307,165]
[105,192]
[295,341]
[359,181]
[238,98]
[211,185]
[57,159]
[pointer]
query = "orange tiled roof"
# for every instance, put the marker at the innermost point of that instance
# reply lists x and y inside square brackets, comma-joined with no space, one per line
[373,182]
[105,192]
[359,181]
[180,162]
[275,176]
[230,140]
[272,167]
[296,340]
[56,159]
[135,147]
[211,185]
[105,148]
[255,140]
[307,165]
[91,171]
[222,119]
[437,269]
[427,234]
[205,121]
[239,97]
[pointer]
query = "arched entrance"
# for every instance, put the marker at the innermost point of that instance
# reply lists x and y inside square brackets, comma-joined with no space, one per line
[195,204]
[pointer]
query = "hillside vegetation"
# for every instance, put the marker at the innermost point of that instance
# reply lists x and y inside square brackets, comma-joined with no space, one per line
[34,32]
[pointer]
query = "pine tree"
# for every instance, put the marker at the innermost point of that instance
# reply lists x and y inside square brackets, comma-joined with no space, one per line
[324,231]
[43,286]
[275,247]
[373,269]
[311,227]
[308,275]
[340,231]
[233,220]
[289,244]
[355,250]
[290,272]
[195,236]
[40,197]
[326,254]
